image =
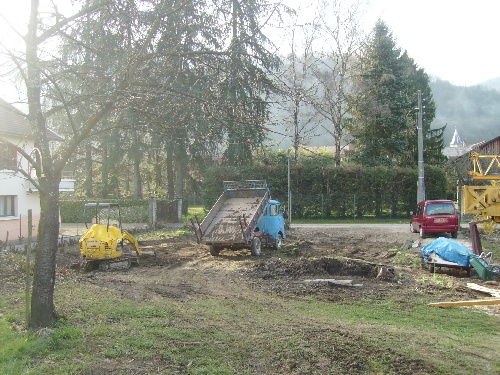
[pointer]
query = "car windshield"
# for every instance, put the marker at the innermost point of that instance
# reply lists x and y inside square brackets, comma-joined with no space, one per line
[440,209]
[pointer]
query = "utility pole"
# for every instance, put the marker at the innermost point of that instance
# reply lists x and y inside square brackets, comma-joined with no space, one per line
[421,179]
[289,191]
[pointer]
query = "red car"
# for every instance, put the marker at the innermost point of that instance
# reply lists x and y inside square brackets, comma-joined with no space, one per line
[435,216]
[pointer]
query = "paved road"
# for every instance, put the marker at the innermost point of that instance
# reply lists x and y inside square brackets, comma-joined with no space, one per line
[383,226]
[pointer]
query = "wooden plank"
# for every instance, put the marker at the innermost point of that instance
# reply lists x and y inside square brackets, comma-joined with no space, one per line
[479,288]
[495,301]
[332,282]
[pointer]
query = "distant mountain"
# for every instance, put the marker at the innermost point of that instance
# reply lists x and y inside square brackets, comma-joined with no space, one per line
[474,111]
[492,83]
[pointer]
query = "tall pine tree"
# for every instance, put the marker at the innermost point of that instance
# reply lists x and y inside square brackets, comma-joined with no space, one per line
[385,116]
[380,124]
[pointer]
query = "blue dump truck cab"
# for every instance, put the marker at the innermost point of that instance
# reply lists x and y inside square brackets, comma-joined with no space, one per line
[272,224]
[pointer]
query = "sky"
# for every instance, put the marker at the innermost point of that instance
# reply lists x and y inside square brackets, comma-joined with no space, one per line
[454,40]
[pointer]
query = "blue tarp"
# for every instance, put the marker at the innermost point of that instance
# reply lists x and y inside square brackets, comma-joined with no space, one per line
[448,250]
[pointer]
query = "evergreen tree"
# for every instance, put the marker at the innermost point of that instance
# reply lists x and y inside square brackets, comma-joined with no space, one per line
[245,84]
[379,119]
[385,117]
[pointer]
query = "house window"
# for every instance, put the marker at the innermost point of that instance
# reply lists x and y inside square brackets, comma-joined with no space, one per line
[8,156]
[7,205]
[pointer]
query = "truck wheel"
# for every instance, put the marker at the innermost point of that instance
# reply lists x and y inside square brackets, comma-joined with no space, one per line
[453,234]
[278,243]
[214,250]
[422,233]
[256,244]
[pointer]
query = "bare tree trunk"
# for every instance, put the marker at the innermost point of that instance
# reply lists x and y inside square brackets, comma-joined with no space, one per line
[89,181]
[104,171]
[157,170]
[179,182]
[170,172]
[42,300]
[137,165]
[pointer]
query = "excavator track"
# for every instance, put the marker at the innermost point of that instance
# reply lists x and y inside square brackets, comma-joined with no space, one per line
[115,264]
[121,263]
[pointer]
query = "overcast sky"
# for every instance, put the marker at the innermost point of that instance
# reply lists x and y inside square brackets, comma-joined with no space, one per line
[455,40]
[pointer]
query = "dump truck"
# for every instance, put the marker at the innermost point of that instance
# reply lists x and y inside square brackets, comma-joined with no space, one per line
[106,245]
[244,216]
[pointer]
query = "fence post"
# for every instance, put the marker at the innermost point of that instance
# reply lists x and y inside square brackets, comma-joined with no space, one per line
[322,205]
[152,211]
[354,213]
[28,270]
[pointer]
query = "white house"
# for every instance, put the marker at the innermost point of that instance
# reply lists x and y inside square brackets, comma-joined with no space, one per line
[17,194]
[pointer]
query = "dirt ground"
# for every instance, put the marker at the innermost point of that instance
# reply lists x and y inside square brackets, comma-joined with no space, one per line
[181,270]
[181,267]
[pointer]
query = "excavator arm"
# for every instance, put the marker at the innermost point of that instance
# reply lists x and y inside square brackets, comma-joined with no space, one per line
[127,236]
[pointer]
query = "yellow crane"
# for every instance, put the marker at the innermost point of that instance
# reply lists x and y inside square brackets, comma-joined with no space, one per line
[483,200]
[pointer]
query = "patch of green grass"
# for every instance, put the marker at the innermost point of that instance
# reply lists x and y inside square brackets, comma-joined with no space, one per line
[405,257]
[493,245]
[251,333]
[196,211]
[165,233]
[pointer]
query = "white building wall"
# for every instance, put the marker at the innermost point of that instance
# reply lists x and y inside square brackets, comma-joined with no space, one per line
[12,183]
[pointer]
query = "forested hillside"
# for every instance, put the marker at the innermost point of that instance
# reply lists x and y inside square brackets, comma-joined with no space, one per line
[474,111]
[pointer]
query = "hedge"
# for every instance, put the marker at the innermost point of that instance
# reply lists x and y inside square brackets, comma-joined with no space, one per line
[131,211]
[326,191]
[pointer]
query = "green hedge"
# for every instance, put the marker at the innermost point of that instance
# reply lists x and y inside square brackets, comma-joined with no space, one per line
[131,211]
[321,190]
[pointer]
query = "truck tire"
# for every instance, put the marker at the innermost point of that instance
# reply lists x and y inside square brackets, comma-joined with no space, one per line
[422,233]
[214,250]
[278,243]
[453,234]
[256,247]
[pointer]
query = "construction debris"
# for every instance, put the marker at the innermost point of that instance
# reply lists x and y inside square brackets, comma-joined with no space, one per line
[479,288]
[332,282]
[385,273]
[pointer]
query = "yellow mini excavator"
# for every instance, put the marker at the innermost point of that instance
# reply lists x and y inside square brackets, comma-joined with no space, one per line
[104,246]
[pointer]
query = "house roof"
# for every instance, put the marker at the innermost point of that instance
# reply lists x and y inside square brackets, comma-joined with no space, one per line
[15,123]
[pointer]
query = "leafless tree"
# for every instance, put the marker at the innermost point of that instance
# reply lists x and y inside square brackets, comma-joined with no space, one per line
[341,40]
